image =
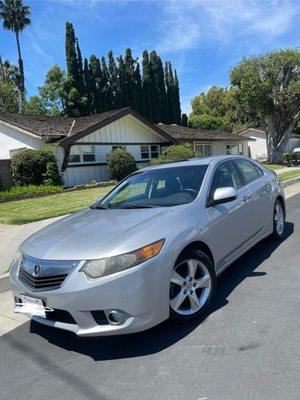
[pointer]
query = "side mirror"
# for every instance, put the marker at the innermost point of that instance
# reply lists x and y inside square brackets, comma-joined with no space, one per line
[223,195]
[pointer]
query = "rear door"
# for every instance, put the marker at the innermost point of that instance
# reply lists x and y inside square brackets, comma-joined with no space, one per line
[231,223]
[260,188]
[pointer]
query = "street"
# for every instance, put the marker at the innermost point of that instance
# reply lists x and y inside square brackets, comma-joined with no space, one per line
[246,347]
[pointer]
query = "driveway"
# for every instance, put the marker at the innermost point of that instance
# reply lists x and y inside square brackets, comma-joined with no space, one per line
[247,346]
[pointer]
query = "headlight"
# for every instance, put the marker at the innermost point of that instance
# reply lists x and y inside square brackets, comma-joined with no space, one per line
[16,262]
[111,265]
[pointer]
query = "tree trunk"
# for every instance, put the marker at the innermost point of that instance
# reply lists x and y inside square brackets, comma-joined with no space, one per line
[276,150]
[21,71]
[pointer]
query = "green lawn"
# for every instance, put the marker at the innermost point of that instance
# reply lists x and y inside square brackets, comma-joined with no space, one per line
[29,210]
[274,167]
[289,175]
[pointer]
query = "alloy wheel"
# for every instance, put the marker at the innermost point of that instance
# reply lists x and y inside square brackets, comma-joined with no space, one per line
[279,219]
[190,286]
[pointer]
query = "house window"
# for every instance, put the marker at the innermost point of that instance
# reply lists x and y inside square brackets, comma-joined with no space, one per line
[74,156]
[82,154]
[149,151]
[236,148]
[203,149]
[145,152]
[154,151]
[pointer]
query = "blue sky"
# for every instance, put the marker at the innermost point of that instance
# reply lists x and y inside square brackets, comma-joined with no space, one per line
[202,38]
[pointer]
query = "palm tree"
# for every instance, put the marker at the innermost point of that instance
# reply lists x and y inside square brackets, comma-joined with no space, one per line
[15,18]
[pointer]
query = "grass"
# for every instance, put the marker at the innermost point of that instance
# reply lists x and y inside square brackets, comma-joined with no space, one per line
[284,176]
[274,167]
[30,210]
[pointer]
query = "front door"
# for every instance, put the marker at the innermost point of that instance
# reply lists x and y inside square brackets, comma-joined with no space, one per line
[231,223]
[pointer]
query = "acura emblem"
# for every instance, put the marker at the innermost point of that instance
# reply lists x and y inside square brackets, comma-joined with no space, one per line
[37,270]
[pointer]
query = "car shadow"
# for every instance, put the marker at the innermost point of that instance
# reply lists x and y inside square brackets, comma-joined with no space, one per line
[165,334]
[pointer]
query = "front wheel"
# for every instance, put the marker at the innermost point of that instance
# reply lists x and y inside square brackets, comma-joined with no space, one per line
[192,285]
[278,220]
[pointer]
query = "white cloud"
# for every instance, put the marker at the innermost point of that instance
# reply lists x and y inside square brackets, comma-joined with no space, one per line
[190,24]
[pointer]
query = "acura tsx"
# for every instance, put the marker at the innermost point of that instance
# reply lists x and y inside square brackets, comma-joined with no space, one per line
[150,250]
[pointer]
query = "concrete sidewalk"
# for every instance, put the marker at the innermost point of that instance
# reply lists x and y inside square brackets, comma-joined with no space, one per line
[286,169]
[11,236]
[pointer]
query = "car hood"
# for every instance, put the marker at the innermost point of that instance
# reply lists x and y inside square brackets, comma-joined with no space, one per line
[82,235]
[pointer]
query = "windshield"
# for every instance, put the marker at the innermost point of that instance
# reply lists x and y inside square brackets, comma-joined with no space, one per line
[164,187]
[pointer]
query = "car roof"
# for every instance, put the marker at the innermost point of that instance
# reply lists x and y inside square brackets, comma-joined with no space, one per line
[192,162]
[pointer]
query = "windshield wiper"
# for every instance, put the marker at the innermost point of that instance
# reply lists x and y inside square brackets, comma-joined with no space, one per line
[98,207]
[133,206]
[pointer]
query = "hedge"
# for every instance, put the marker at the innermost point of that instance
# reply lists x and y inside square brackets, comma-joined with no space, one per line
[29,191]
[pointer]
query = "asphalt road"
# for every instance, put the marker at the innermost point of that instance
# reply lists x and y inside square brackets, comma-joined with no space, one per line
[247,347]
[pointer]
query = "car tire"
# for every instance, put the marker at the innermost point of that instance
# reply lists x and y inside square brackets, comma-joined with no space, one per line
[187,288]
[278,220]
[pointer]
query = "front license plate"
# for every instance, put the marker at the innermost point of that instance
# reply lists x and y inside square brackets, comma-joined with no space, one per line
[31,306]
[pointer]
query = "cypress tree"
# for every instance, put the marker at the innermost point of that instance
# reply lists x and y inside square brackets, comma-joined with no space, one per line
[96,84]
[177,108]
[123,99]
[184,120]
[167,98]
[156,92]
[107,95]
[113,80]
[162,90]
[147,98]
[88,88]
[130,82]
[138,82]
[80,83]
[72,103]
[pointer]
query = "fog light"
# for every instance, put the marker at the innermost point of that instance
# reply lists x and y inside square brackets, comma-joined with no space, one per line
[117,317]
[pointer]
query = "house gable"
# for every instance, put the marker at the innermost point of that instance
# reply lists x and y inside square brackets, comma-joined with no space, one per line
[125,130]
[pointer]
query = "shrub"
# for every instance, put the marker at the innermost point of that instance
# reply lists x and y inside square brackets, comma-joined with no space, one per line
[29,191]
[35,167]
[121,163]
[174,153]
[287,157]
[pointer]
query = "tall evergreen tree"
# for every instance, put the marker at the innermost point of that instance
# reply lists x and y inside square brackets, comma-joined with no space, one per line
[74,100]
[156,92]
[138,82]
[123,98]
[147,93]
[184,120]
[88,88]
[96,84]
[177,108]
[113,80]
[107,94]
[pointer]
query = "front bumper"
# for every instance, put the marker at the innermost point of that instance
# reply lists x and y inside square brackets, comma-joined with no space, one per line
[142,292]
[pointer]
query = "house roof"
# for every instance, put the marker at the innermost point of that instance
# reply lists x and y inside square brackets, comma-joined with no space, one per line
[182,133]
[261,130]
[70,129]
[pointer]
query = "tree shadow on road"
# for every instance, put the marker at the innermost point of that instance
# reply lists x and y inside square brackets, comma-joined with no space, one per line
[165,334]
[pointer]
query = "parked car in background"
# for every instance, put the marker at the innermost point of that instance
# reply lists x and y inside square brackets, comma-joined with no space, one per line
[151,249]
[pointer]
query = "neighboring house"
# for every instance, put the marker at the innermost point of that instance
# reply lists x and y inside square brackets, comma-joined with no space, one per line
[258,148]
[82,144]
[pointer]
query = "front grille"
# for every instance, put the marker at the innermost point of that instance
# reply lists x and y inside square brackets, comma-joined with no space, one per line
[44,282]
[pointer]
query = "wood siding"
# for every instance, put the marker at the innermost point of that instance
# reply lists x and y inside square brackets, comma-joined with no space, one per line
[125,130]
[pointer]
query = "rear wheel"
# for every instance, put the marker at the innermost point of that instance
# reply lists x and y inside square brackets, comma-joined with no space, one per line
[278,220]
[192,285]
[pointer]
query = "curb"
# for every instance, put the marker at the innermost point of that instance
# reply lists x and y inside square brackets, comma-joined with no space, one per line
[4,282]
[290,182]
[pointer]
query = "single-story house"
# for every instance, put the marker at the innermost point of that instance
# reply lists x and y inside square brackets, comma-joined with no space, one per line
[82,144]
[258,147]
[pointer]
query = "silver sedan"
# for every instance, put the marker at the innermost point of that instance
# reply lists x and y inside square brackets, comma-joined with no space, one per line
[150,250]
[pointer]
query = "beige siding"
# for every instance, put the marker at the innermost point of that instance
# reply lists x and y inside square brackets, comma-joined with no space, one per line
[125,130]
[219,147]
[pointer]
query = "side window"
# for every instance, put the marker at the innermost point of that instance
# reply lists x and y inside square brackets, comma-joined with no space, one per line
[225,175]
[248,170]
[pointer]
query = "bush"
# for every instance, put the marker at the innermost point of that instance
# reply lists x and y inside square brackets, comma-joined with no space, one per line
[121,163]
[35,167]
[174,153]
[29,191]
[287,157]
